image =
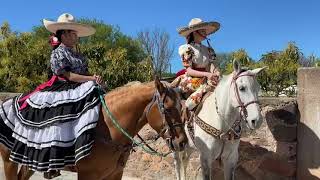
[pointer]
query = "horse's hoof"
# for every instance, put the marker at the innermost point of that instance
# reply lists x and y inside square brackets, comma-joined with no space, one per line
[51,174]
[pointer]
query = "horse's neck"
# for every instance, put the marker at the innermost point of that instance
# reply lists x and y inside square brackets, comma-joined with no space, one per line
[128,109]
[217,109]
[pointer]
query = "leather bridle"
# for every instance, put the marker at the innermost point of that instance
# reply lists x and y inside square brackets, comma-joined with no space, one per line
[242,106]
[166,114]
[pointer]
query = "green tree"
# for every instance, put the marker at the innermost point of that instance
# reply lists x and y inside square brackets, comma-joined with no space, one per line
[242,56]
[117,57]
[282,69]
[317,63]
[117,70]
[23,61]
[5,30]
[222,60]
[108,37]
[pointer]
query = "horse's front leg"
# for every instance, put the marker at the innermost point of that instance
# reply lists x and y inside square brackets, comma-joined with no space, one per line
[181,160]
[25,173]
[178,164]
[118,172]
[115,176]
[229,158]
[209,149]
[101,163]
[10,168]
[206,166]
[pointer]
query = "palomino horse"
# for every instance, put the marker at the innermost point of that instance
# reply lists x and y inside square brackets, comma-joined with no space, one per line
[217,127]
[133,106]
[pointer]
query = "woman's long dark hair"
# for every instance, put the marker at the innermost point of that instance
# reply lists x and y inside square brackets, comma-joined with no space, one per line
[54,46]
[190,38]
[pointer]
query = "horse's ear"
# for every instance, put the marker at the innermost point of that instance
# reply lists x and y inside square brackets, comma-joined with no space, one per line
[236,66]
[258,70]
[160,87]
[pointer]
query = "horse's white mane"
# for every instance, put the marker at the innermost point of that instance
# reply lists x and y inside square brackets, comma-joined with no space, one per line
[224,78]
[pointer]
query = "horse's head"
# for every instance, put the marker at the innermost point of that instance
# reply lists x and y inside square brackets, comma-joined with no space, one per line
[244,94]
[164,115]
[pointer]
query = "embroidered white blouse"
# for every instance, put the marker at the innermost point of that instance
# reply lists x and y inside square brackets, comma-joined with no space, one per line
[200,55]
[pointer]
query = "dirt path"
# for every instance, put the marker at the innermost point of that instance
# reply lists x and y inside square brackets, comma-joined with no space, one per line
[64,176]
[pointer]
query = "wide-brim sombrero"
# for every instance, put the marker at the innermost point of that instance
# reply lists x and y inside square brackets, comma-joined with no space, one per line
[67,22]
[197,24]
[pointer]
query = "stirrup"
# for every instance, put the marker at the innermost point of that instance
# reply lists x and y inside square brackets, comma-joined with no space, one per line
[51,174]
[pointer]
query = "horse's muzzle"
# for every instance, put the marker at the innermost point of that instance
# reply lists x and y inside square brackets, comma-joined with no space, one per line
[177,144]
[254,123]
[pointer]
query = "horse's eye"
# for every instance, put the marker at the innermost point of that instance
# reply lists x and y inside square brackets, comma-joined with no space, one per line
[242,88]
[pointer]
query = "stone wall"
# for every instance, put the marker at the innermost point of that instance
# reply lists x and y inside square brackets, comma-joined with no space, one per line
[270,151]
[308,158]
[281,120]
[5,95]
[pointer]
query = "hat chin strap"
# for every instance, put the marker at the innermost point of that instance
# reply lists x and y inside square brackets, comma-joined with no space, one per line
[208,42]
[205,37]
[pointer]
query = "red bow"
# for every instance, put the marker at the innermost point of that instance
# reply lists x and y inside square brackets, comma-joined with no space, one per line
[54,40]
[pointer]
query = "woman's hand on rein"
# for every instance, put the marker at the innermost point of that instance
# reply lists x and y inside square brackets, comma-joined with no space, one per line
[210,76]
[213,77]
[99,80]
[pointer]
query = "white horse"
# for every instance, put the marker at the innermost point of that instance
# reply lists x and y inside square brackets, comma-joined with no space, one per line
[218,126]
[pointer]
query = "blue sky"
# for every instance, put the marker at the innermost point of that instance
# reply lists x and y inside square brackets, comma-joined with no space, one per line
[258,26]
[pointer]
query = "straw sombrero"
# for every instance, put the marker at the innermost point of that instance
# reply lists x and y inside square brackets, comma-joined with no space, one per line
[67,22]
[197,24]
